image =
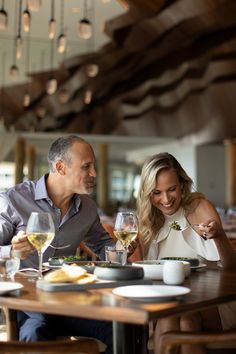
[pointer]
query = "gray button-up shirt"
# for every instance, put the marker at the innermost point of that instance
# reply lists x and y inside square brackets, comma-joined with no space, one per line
[80,223]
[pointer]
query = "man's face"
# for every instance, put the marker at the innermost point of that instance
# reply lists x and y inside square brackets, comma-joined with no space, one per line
[80,172]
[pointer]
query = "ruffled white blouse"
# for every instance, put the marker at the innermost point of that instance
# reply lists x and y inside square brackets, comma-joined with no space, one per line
[184,243]
[187,243]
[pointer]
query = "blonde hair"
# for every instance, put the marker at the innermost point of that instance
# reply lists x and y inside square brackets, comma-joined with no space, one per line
[151,219]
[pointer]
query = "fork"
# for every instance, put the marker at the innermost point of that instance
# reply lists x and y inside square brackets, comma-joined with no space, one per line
[203,236]
[59,247]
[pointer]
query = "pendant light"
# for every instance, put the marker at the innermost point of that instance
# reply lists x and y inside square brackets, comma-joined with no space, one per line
[40,110]
[64,94]
[34,5]
[88,96]
[2,103]
[14,70]
[61,40]
[26,99]
[52,22]
[19,38]
[85,27]
[51,85]
[26,18]
[3,18]
[91,70]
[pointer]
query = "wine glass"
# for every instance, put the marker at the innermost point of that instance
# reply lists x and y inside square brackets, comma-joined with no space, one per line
[126,228]
[40,232]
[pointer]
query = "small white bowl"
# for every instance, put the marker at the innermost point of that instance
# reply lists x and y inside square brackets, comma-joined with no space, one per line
[153,269]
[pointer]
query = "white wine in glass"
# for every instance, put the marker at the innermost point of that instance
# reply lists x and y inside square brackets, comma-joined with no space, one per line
[126,228]
[40,232]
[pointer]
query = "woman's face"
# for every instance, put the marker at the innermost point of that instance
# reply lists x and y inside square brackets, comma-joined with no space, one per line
[167,193]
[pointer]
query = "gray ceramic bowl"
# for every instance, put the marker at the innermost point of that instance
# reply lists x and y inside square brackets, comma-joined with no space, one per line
[118,272]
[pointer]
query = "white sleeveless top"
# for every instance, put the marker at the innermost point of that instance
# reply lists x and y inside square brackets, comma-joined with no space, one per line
[187,243]
[184,243]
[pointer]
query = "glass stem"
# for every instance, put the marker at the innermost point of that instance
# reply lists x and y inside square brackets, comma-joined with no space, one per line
[40,254]
[126,250]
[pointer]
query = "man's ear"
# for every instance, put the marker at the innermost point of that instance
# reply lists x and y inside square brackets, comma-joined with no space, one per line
[60,167]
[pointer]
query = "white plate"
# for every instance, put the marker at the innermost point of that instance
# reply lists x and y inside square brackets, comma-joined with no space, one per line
[200,266]
[151,292]
[7,286]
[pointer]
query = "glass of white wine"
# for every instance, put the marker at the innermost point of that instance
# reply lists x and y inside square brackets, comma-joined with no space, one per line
[126,228]
[40,232]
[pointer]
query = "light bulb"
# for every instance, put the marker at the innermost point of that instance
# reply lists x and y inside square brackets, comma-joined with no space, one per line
[51,86]
[85,28]
[26,20]
[92,70]
[18,47]
[34,5]
[88,97]
[14,72]
[61,43]
[26,99]
[3,20]
[51,28]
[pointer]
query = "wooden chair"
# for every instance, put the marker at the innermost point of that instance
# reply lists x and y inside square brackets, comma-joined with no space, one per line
[79,346]
[170,340]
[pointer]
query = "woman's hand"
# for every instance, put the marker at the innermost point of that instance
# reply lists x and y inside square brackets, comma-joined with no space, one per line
[21,245]
[210,229]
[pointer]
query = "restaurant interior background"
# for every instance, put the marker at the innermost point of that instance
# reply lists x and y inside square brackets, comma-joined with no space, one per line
[132,77]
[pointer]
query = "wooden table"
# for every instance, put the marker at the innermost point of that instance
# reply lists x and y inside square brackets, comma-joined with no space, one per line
[208,288]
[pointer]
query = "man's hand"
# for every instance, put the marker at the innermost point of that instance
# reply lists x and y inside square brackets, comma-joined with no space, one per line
[21,245]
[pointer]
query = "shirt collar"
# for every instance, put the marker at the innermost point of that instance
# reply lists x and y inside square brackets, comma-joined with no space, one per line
[41,192]
[40,189]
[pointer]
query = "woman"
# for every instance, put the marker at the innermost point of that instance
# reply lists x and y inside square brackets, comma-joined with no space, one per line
[165,196]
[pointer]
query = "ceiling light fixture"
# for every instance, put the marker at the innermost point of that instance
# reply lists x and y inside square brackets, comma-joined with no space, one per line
[88,96]
[26,17]
[61,40]
[52,22]
[14,71]
[51,85]
[34,5]
[3,18]
[2,104]
[85,26]
[27,98]
[19,38]
[91,70]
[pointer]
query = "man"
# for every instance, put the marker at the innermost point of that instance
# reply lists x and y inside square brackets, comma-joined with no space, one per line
[64,193]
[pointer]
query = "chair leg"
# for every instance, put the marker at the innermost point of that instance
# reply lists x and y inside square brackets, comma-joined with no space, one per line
[11,324]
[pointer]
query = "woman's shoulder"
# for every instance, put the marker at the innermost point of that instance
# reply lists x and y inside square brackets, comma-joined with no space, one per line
[202,208]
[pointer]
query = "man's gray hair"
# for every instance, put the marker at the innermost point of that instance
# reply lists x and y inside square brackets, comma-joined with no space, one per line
[60,148]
